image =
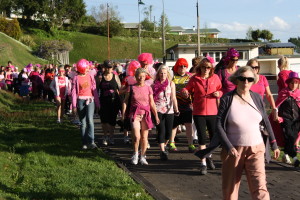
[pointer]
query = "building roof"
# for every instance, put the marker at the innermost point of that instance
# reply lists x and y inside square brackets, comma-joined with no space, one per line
[176,28]
[280,45]
[204,30]
[224,45]
[131,25]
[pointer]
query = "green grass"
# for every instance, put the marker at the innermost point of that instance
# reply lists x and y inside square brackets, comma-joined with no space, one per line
[40,159]
[94,47]
[19,54]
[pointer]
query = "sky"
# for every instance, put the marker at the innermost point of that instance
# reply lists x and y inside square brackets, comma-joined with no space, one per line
[231,18]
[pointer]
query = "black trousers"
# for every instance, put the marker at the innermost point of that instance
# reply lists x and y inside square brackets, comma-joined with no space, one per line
[290,133]
[201,122]
[164,128]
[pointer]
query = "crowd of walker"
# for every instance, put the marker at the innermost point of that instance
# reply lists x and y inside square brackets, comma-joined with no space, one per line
[223,100]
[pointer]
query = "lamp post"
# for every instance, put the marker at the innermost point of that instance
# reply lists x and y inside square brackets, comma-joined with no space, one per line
[140,44]
[108,40]
[163,33]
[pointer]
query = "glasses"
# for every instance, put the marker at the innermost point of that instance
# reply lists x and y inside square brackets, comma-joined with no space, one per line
[232,59]
[182,66]
[255,67]
[206,68]
[242,78]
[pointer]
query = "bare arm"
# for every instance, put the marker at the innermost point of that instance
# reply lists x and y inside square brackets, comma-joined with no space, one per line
[153,109]
[173,97]
[124,105]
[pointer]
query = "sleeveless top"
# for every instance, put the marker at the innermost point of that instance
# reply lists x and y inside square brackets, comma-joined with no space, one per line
[108,89]
[164,104]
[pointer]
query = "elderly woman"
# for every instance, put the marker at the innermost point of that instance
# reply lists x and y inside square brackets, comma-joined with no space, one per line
[142,104]
[238,127]
[206,87]
[164,95]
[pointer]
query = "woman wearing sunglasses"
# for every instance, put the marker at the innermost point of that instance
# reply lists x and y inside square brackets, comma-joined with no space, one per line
[262,86]
[206,87]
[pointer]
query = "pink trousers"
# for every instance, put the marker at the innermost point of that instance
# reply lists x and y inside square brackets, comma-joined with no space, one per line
[252,160]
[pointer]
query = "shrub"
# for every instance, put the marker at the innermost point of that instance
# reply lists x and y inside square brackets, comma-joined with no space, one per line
[50,48]
[10,27]
[27,40]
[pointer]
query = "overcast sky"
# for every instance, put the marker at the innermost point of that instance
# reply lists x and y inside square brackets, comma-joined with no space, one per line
[231,18]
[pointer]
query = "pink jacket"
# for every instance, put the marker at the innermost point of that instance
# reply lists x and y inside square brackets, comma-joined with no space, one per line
[75,90]
[204,102]
[282,77]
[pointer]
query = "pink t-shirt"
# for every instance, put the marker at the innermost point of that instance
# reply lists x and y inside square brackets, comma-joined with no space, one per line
[243,123]
[227,85]
[260,86]
[85,86]
[140,95]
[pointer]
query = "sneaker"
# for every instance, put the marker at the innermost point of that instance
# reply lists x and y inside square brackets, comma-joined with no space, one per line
[126,140]
[210,163]
[286,159]
[104,141]
[135,159]
[183,129]
[296,163]
[192,148]
[164,155]
[195,141]
[111,141]
[84,147]
[172,146]
[58,121]
[203,170]
[143,160]
[92,146]
[76,122]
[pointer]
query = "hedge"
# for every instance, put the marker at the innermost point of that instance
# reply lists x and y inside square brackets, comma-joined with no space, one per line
[10,27]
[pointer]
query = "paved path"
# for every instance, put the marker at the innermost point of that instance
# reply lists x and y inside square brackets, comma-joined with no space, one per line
[179,177]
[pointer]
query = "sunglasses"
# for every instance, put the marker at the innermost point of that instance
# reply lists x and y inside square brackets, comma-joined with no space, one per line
[182,66]
[255,67]
[206,68]
[242,78]
[232,59]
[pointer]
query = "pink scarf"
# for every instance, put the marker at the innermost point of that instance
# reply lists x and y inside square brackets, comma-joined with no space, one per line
[285,93]
[158,87]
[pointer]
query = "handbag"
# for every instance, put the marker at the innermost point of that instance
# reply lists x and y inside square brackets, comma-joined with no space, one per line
[262,126]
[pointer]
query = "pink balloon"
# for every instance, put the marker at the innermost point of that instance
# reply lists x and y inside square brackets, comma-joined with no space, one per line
[82,65]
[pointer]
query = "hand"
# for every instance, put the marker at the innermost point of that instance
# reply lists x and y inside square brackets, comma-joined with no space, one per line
[216,94]
[233,152]
[276,154]
[157,120]
[177,113]
[185,93]
[74,110]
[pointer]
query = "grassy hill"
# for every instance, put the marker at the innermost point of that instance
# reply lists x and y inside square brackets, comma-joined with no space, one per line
[94,47]
[15,51]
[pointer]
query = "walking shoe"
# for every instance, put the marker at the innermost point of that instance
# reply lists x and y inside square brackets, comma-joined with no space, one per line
[192,148]
[92,146]
[164,155]
[126,140]
[210,163]
[296,163]
[111,141]
[183,129]
[135,159]
[58,121]
[203,170]
[143,160]
[172,146]
[286,159]
[84,147]
[104,141]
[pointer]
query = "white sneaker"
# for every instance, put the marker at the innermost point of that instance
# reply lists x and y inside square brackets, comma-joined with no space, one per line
[84,147]
[135,159]
[104,141]
[126,140]
[286,159]
[143,160]
[148,145]
[58,121]
[183,128]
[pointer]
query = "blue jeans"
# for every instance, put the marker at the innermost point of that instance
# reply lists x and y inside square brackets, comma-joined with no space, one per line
[86,114]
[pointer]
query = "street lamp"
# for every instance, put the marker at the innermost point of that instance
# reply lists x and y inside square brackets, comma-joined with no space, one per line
[140,44]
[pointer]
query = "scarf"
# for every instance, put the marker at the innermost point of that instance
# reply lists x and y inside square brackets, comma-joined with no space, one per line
[158,87]
[285,93]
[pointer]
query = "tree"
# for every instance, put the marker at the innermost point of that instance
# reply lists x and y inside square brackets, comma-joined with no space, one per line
[266,35]
[295,41]
[147,25]
[255,35]
[167,24]
[249,33]
[115,27]
[6,7]
[100,12]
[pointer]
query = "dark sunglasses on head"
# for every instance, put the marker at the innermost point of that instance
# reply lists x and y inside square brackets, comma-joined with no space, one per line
[232,59]
[255,67]
[242,78]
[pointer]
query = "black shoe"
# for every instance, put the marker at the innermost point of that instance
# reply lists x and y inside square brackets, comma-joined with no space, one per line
[176,139]
[164,155]
[203,170]
[296,163]
[210,163]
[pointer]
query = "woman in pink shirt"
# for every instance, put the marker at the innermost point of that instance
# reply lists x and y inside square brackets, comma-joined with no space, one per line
[262,86]
[283,75]
[84,100]
[142,104]
[206,87]
[61,88]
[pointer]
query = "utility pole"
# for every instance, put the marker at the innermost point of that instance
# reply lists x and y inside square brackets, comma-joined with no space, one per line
[154,24]
[140,43]
[108,40]
[198,29]
[163,34]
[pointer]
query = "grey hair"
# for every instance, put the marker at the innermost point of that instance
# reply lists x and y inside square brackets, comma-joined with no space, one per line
[139,71]
[241,70]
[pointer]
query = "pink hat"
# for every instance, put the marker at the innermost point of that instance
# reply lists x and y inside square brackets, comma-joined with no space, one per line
[292,75]
[146,57]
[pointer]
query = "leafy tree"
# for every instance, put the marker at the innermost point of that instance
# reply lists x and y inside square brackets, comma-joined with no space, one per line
[295,41]
[115,27]
[6,6]
[147,25]
[167,24]
[255,34]
[266,35]
[249,33]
